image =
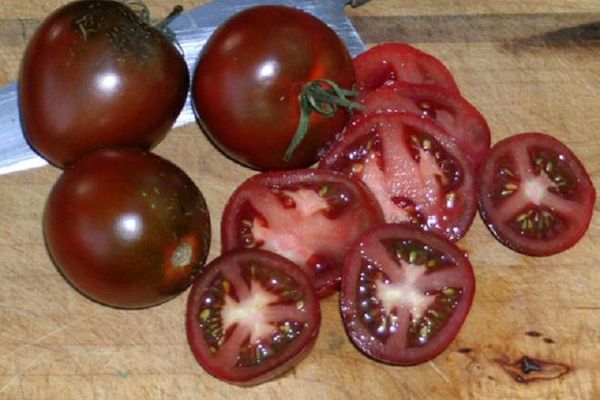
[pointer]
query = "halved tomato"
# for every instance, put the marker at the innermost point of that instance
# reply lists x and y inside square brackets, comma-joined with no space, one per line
[405,293]
[251,316]
[450,110]
[535,195]
[416,171]
[390,62]
[309,216]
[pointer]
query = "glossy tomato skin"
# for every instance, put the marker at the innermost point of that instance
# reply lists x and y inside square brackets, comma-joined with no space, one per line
[95,75]
[245,293]
[248,79]
[405,293]
[535,195]
[390,62]
[127,228]
[309,216]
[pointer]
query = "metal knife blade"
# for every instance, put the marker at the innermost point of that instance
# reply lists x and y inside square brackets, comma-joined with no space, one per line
[192,28]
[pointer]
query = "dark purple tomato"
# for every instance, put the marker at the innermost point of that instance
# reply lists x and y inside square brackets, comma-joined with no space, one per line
[249,78]
[97,75]
[127,228]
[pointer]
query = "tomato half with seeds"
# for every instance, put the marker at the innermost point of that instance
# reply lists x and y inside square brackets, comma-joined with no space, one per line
[389,62]
[251,316]
[96,74]
[262,73]
[450,110]
[127,228]
[535,195]
[418,174]
[405,293]
[309,216]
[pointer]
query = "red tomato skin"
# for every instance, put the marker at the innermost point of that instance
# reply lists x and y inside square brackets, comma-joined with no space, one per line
[127,228]
[119,84]
[348,305]
[248,79]
[275,367]
[357,193]
[581,209]
[388,62]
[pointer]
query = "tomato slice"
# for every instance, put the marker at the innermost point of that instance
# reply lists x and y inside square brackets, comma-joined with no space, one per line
[456,115]
[251,316]
[535,195]
[309,216]
[387,62]
[415,170]
[405,293]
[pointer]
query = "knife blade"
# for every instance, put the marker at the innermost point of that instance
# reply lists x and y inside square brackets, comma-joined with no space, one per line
[192,29]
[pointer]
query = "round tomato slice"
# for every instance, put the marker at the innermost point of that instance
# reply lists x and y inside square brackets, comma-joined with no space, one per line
[535,195]
[309,216]
[415,170]
[456,115]
[387,62]
[405,293]
[251,316]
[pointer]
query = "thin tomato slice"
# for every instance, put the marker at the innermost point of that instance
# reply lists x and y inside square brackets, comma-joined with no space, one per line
[405,293]
[251,316]
[309,216]
[390,62]
[535,195]
[415,170]
[450,110]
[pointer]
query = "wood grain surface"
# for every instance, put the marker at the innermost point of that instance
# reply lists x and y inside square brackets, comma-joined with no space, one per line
[527,65]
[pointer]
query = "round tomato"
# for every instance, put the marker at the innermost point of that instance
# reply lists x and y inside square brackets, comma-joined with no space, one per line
[127,228]
[251,316]
[535,195]
[450,110]
[389,62]
[96,75]
[252,83]
[405,293]
[308,216]
[415,170]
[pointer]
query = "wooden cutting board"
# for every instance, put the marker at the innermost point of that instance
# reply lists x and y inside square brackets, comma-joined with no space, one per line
[527,66]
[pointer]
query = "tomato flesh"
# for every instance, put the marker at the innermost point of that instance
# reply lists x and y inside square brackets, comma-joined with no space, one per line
[450,110]
[127,228]
[308,216]
[248,81]
[251,316]
[405,293]
[535,195]
[416,172]
[95,75]
[390,62]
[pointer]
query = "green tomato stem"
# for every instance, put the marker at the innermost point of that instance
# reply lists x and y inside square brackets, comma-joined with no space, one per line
[324,97]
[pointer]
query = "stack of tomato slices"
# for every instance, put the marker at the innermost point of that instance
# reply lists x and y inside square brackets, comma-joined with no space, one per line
[380,215]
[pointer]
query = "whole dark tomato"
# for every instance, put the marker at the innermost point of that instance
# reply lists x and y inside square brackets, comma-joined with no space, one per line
[96,75]
[249,80]
[127,228]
